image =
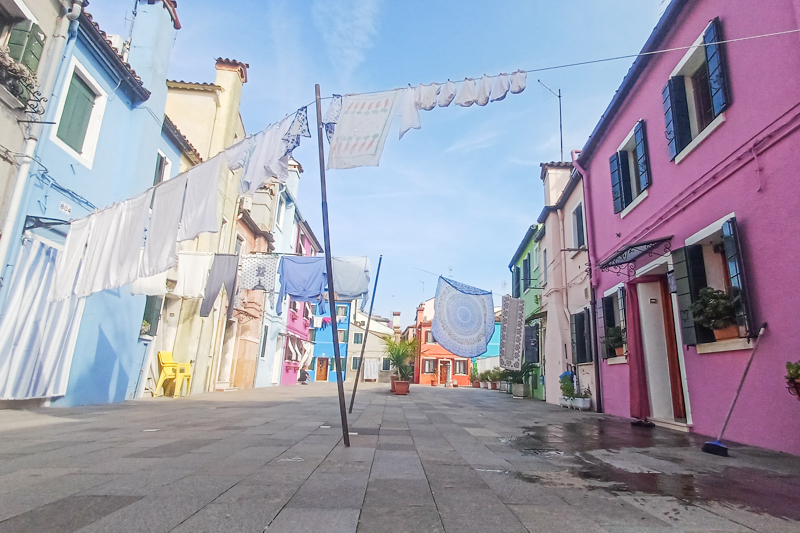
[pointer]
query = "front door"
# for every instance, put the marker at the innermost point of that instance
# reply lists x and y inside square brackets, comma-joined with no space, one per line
[322,369]
[444,372]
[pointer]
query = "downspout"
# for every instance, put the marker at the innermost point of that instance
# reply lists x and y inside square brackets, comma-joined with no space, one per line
[587,200]
[10,226]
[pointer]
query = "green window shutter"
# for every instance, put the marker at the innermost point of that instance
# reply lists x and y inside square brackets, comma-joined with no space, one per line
[515,282]
[526,272]
[690,277]
[77,111]
[642,163]
[26,43]
[676,115]
[587,336]
[717,72]
[152,314]
[733,255]
[574,336]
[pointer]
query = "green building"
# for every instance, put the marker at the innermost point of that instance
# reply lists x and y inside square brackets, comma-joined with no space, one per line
[525,269]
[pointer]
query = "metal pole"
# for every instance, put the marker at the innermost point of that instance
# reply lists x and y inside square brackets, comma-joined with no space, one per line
[560,126]
[366,335]
[329,266]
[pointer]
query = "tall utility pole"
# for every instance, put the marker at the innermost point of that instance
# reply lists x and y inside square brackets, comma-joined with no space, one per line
[560,123]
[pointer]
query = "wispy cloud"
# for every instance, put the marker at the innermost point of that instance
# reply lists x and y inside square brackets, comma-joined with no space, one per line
[474,141]
[348,28]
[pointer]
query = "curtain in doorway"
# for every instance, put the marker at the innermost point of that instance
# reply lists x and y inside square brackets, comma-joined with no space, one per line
[640,402]
[37,337]
[371,367]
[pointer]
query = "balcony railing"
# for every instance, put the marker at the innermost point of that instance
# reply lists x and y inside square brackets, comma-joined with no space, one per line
[20,84]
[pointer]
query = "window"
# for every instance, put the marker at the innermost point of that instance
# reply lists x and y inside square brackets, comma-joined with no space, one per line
[578,237]
[532,344]
[698,92]
[544,267]
[265,335]
[306,311]
[223,237]
[535,257]
[239,246]
[78,107]
[429,366]
[280,211]
[152,314]
[630,169]
[292,305]
[358,338]
[515,281]
[581,344]
[714,261]
[312,335]
[163,168]
[341,335]
[460,367]
[386,364]
[611,313]
[429,337]
[341,310]
[25,42]
[526,272]
[356,361]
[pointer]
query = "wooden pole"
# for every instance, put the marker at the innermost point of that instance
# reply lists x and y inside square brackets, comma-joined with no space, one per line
[329,266]
[366,335]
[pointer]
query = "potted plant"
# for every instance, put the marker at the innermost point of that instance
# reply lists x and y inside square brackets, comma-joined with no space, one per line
[517,379]
[399,352]
[793,378]
[434,380]
[494,378]
[567,385]
[714,309]
[484,379]
[615,339]
[476,380]
[583,401]
[403,382]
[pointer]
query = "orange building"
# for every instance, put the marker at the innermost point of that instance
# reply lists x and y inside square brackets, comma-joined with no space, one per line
[433,365]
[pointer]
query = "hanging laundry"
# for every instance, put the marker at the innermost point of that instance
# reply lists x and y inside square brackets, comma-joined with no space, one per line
[501,85]
[351,278]
[317,322]
[466,96]
[162,232]
[332,116]
[262,157]
[362,130]
[95,270]
[463,320]
[371,368]
[37,337]
[512,333]
[223,274]
[446,93]
[70,259]
[200,210]
[518,81]
[409,114]
[426,96]
[484,90]
[151,285]
[129,240]
[302,278]
[193,270]
[259,272]
[299,128]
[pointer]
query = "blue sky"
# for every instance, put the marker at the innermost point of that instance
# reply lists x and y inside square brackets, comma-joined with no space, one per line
[456,197]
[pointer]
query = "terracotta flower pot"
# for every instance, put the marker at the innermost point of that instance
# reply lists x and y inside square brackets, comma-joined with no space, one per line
[619,351]
[493,385]
[476,384]
[731,332]
[434,383]
[401,387]
[393,380]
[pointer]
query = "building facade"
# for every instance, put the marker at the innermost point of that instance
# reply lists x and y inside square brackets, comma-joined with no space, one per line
[433,365]
[374,365]
[322,366]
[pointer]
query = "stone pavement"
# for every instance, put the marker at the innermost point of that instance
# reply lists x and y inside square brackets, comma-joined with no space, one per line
[455,460]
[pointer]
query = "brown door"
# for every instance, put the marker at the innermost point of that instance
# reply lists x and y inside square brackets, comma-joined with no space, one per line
[675,381]
[443,371]
[322,369]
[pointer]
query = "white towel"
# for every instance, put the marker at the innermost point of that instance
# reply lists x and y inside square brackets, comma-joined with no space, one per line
[501,86]
[409,114]
[262,157]
[95,270]
[371,367]
[484,90]
[162,232]
[426,96]
[151,286]
[447,93]
[518,81]
[70,259]
[466,96]
[200,207]
[193,270]
[129,240]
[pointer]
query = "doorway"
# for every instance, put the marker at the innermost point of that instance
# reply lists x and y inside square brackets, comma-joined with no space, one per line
[322,369]
[444,372]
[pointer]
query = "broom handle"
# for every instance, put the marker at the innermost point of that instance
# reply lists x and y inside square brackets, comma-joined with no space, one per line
[744,376]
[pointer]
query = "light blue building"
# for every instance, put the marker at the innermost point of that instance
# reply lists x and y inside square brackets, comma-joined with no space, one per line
[107,110]
[323,366]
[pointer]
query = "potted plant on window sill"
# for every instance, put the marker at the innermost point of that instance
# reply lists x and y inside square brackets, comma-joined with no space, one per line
[793,378]
[715,309]
[567,386]
[615,339]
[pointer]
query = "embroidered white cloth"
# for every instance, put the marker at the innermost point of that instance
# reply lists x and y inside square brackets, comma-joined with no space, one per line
[259,272]
[426,96]
[332,116]
[466,96]
[518,81]
[193,270]
[409,114]
[446,93]
[262,157]
[70,259]
[484,90]
[162,232]
[463,320]
[200,213]
[95,270]
[151,286]
[500,89]
[129,240]
[362,130]
[512,333]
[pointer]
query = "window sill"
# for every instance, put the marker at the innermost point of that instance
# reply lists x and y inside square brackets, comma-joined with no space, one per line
[619,360]
[724,346]
[636,201]
[716,123]
[10,100]
[588,363]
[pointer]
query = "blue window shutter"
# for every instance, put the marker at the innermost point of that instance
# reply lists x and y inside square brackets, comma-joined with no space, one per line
[676,115]
[717,72]
[616,183]
[733,255]
[642,161]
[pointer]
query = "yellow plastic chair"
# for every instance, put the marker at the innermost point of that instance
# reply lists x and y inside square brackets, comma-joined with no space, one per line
[177,372]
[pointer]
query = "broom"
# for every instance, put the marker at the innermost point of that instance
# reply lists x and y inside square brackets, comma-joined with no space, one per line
[716,447]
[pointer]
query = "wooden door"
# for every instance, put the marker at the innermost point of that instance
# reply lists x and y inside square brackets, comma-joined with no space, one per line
[443,371]
[322,369]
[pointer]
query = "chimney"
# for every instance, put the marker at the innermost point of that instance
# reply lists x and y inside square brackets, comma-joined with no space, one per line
[396,319]
[231,76]
[420,310]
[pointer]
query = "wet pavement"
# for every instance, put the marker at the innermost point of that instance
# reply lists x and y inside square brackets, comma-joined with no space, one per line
[437,460]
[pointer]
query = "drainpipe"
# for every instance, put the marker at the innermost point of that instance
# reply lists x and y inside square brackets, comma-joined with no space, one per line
[587,200]
[56,71]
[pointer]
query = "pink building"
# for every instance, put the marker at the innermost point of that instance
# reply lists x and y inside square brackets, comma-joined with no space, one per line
[690,182]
